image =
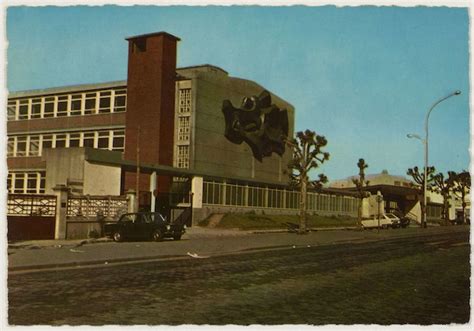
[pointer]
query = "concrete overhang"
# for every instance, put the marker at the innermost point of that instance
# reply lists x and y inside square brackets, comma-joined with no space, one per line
[401,191]
[111,158]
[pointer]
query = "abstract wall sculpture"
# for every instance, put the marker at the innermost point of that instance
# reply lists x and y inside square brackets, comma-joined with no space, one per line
[258,122]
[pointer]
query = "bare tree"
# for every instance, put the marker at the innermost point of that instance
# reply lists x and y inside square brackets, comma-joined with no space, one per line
[360,183]
[461,188]
[419,178]
[444,187]
[307,155]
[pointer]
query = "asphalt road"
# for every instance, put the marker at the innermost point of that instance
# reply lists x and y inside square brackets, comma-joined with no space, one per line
[392,281]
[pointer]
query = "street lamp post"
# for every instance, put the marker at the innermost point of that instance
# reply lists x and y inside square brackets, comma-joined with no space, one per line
[425,143]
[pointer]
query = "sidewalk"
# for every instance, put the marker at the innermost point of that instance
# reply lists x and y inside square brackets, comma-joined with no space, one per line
[197,242]
[191,233]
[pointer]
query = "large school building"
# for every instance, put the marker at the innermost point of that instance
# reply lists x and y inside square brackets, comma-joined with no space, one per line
[164,130]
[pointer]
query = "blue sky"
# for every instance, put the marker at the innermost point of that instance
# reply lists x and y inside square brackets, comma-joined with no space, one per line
[363,77]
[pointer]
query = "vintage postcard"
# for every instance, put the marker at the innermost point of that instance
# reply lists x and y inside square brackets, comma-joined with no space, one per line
[264,164]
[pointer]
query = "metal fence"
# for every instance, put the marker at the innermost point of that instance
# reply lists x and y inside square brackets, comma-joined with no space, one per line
[93,206]
[222,194]
[31,205]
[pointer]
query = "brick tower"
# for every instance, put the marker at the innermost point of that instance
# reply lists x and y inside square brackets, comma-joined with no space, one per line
[150,106]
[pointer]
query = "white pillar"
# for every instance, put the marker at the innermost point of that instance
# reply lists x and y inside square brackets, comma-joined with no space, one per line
[131,196]
[152,190]
[196,190]
[61,192]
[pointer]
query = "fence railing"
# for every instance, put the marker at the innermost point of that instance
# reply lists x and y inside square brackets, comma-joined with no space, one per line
[94,206]
[31,205]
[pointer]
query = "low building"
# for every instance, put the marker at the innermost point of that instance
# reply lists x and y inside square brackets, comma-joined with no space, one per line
[399,194]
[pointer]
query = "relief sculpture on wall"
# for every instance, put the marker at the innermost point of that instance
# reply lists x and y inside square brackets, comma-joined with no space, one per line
[258,122]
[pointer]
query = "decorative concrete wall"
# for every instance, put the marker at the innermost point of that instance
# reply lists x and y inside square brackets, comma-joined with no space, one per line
[211,152]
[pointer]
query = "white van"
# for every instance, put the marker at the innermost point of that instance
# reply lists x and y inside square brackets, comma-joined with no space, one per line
[388,220]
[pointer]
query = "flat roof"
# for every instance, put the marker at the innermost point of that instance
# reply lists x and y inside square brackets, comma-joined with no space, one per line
[153,34]
[96,86]
[67,89]
[207,65]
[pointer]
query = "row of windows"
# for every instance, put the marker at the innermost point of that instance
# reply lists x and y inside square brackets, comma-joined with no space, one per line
[239,195]
[32,182]
[434,211]
[33,145]
[107,101]
[182,157]
[184,101]
[184,128]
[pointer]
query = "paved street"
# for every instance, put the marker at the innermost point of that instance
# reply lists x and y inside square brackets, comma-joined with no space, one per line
[197,240]
[402,278]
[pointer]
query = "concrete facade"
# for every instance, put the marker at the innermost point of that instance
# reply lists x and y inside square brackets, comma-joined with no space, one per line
[210,151]
[68,167]
[101,179]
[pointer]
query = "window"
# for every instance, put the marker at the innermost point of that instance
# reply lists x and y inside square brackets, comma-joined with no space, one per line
[184,101]
[183,128]
[23,110]
[19,183]
[89,106]
[118,142]
[48,107]
[76,104]
[34,146]
[26,182]
[183,157]
[9,183]
[60,140]
[62,105]
[139,45]
[120,100]
[42,185]
[11,110]
[21,146]
[31,182]
[74,139]
[11,146]
[104,102]
[88,139]
[47,141]
[36,108]
[103,140]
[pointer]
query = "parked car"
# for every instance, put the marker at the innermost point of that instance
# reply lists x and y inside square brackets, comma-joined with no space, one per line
[458,220]
[144,225]
[388,220]
[405,218]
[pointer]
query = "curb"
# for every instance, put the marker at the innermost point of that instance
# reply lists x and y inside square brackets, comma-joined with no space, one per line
[92,263]
[62,244]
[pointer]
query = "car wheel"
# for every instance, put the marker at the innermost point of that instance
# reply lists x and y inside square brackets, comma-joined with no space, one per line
[157,235]
[117,236]
[177,236]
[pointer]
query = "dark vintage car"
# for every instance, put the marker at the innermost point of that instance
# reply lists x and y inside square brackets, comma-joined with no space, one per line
[145,225]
